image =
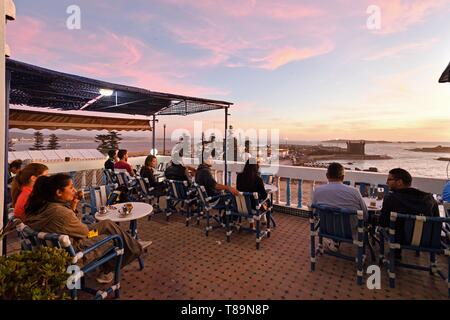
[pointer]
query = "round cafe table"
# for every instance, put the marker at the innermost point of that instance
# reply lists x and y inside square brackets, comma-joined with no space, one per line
[140,210]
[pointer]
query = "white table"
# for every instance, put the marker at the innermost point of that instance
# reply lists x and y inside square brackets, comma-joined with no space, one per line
[379,204]
[140,210]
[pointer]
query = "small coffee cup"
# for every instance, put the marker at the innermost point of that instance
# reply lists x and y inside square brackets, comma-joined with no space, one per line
[102,210]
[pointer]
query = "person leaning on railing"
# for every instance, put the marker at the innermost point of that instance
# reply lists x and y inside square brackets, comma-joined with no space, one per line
[51,208]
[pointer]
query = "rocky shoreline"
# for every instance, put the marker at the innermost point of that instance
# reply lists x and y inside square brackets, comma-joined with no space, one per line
[439,149]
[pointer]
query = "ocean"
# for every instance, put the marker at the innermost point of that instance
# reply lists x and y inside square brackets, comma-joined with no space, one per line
[422,164]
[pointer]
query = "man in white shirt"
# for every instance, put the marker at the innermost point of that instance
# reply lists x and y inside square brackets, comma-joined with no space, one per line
[337,194]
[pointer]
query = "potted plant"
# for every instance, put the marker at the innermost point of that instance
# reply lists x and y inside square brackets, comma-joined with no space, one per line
[34,275]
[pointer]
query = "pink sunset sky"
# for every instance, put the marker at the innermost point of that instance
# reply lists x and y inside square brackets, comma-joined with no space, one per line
[311,69]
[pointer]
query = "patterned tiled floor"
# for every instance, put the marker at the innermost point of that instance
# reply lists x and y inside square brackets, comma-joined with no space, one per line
[182,263]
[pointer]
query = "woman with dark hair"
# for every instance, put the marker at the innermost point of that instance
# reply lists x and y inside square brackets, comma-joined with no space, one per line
[22,186]
[249,180]
[52,208]
[147,171]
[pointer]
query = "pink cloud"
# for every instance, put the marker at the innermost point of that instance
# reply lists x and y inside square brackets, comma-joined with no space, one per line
[286,55]
[400,49]
[252,8]
[103,54]
[400,15]
[236,36]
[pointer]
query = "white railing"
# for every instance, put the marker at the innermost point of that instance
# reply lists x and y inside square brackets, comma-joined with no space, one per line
[287,178]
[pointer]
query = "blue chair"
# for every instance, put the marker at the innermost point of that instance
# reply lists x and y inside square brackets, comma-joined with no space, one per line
[179,193]
[110,177]
[335,224]
[364,188]
[420,234]
[98,196]
[206,204]
[113,249]
[247,206]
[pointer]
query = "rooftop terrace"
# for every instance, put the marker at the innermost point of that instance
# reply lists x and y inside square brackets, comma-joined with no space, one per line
[182,263]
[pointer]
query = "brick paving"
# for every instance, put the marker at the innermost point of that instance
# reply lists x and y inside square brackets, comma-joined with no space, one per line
[182,263]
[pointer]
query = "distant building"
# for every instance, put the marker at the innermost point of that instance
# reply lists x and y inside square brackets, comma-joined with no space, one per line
[356,147]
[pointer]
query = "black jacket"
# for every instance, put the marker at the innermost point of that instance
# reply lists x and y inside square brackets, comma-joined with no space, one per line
[245,185]
[148,173]
[407,201]
[177,172]
[109,164]
[204,177]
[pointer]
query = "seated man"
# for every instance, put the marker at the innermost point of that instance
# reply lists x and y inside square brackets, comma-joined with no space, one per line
[446,192]
[176,170]
[337,194]
[205,178]
[404,199]
[109,164]
[122,163]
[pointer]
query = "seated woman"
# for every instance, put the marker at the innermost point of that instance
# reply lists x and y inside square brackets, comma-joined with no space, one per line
[249,180]
[51,208]
[22,186]
[147,171]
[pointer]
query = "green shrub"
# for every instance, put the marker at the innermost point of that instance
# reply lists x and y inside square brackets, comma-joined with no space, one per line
[34,275]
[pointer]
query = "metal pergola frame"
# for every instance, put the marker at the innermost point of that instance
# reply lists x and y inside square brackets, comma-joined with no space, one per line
[34,86]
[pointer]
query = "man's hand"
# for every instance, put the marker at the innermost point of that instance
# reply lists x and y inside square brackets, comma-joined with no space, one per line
[234,191]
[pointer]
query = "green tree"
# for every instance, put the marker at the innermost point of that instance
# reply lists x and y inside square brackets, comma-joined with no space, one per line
[11,145]
[108,141]
[53,142]
[38,141]
[114,139]
[103,140]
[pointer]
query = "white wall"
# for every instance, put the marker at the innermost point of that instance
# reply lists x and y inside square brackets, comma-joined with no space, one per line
[309,174]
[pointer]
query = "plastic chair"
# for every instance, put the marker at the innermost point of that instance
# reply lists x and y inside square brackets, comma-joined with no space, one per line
[206,204]
[113,249]
[180,193]
[335,224]
[247,206]
[420,234]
